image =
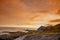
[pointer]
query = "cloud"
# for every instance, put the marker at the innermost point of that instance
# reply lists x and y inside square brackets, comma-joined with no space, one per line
[54,22]
[58,12]
[57,20]
[28,11]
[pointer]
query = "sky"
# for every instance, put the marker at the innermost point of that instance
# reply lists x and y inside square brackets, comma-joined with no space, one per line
[29,12]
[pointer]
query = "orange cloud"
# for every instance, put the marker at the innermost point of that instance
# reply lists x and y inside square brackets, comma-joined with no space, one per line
[28,11]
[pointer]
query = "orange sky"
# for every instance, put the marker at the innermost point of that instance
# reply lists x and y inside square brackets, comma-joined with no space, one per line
[36,12]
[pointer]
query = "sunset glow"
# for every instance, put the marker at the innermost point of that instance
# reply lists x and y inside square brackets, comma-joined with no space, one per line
[14,13]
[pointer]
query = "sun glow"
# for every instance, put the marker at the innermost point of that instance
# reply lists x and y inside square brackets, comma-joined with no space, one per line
[28,13]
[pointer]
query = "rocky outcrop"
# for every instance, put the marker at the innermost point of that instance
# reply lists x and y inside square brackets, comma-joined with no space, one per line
[42,37]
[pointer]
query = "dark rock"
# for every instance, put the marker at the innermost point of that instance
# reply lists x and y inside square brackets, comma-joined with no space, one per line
[44,27]
[6,39]
[42,37]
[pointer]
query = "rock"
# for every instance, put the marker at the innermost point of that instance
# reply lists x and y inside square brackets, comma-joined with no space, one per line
[42,37]
[44,27]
